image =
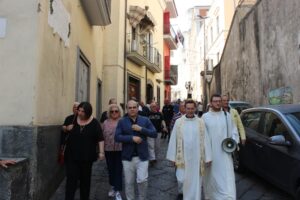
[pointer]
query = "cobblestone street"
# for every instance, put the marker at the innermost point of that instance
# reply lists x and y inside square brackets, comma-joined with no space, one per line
[163,186]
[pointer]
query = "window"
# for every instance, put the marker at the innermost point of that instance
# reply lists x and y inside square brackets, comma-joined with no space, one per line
[158,96]
[217,25]
[251,120]
[211,64]
[134,86]
[211,35]
[133,32]
[83,78]
[294,119]
[272,125]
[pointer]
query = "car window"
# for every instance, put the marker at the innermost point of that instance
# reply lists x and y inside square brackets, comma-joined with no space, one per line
[294,119]
[251,120]
[272,125]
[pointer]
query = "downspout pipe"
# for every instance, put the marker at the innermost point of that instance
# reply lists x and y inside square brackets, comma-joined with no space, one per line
[125,57]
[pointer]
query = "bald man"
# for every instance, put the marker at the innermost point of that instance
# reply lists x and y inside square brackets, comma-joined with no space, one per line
[132,131]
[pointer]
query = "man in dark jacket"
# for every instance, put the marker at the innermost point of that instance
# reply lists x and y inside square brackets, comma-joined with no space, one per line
[132,131]
[168,112]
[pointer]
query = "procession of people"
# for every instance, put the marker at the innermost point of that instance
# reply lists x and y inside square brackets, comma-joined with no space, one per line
[129,142]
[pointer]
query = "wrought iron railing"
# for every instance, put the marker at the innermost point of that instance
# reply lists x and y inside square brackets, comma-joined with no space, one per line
[147,51]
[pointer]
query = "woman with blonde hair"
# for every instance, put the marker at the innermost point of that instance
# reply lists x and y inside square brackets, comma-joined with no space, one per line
[113,151]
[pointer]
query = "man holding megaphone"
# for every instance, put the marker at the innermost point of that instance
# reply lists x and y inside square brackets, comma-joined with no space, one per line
[219,180]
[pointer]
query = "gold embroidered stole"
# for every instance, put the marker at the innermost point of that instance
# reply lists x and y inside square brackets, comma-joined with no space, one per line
[179,162]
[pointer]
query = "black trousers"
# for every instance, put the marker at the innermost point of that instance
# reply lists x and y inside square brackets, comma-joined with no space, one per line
[78,171]
[115,168]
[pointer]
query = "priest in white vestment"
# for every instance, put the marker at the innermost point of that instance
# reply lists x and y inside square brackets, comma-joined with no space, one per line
[219,180]
[190,150]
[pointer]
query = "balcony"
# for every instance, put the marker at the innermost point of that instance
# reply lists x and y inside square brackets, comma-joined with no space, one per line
[170,36]
[144,55]
[171,75]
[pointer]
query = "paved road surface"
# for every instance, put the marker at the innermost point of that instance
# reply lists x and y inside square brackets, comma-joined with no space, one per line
[163,186]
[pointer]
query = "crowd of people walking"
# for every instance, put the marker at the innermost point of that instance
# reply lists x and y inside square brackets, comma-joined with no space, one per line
[129,143]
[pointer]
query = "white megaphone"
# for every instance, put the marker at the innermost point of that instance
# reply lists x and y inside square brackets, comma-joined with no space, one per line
[229,145]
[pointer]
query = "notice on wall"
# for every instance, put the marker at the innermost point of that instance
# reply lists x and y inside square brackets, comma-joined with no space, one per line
[59,19]
[283,95]
[2,27]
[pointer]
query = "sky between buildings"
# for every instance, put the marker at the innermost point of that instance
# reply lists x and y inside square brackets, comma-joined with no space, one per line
[182,6]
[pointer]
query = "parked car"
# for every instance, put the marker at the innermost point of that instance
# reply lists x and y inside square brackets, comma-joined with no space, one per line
[239,105]
[272,148]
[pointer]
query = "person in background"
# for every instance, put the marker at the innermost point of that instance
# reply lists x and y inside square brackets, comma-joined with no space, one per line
[157,120]
[81,151]
[168,113]
[132,131]
[200,109]
[176,106]
[235,117]
[104,114]
[68,124]
[113,151]
[143,109]
[178,115]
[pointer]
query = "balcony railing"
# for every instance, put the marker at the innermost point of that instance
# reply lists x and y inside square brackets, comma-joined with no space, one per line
[144,55]
[171,75]
[170,36]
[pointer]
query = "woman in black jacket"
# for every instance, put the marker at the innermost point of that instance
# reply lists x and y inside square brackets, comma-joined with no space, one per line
[81,151]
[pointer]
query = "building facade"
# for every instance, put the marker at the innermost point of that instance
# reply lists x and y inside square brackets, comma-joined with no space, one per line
[51,54]
[216,24]
[133,58]
[171,42]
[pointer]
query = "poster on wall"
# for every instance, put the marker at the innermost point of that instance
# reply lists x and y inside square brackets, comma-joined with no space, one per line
[283,95]
[59,19]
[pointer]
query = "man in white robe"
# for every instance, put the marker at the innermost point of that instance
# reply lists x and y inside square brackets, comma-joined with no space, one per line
[190,150]
[219,180]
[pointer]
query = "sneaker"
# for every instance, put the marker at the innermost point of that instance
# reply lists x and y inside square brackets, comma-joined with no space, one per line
[111,192]
[118,196]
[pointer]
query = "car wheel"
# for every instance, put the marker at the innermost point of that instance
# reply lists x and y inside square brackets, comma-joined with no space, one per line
[237,165]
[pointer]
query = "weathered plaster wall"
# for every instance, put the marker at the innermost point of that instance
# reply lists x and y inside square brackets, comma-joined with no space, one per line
[18,62]
[262,52]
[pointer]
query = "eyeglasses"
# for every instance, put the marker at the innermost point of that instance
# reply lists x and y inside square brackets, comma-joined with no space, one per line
[133,107]
[114,111]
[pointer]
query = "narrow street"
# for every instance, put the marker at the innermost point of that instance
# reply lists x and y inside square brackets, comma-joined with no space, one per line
[163,186]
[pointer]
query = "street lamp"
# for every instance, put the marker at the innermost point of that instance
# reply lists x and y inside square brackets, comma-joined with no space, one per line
[189,88]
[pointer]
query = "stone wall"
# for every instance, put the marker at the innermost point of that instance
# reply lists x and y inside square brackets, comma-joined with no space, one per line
[262,52]
[39,144]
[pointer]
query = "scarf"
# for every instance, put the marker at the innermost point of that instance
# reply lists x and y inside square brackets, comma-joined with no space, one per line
[179,162]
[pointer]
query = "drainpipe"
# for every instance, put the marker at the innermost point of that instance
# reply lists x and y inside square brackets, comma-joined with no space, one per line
[146,80]
[125,57]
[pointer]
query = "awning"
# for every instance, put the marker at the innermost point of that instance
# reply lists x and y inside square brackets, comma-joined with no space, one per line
[137,14]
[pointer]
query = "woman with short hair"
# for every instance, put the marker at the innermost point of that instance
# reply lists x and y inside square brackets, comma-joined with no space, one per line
[81,151]
[113,151]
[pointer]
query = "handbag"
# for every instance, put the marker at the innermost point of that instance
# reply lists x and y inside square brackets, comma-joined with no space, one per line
[61,153]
